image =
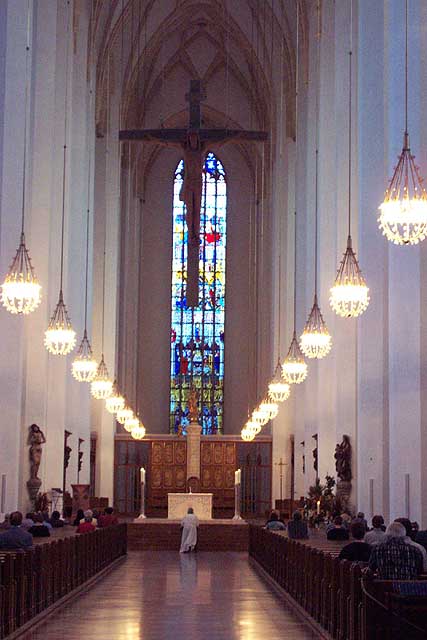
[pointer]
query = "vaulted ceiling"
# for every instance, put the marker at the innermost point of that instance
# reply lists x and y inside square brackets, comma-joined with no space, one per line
[242,50]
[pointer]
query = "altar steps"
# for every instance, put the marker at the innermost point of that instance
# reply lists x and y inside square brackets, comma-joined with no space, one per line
[165,535]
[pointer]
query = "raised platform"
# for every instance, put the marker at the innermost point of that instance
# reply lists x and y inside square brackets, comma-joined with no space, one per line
[163,534]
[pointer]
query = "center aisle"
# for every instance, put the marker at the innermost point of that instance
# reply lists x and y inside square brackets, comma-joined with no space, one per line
[162,595]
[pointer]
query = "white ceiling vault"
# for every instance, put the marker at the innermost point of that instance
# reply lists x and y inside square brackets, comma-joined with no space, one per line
[146,52]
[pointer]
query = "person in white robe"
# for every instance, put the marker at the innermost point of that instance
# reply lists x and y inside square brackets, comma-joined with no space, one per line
[189,526]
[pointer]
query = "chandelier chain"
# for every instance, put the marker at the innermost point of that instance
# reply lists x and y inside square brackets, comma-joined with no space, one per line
[316,195]
[406,73]
[350,91]
[296,167]
[87,220]
[27,80]
[65,143]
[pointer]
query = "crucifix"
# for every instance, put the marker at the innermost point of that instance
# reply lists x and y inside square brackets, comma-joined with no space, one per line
[281,464]
[194,142]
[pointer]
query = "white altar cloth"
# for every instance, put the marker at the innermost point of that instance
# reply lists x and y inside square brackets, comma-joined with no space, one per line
[178,504]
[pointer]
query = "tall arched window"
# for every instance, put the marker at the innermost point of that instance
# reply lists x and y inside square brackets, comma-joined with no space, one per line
[197,335]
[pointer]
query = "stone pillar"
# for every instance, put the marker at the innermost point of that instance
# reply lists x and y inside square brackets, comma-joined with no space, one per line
[194,431]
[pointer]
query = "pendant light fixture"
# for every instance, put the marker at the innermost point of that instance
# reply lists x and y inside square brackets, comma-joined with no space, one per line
[138,431]
[270,408]
[316,340]
[294,367]
[116,401]
[101,386]
[84,366]
[20,291]
[403,213]
[124,414]
[60,337]
[349,296]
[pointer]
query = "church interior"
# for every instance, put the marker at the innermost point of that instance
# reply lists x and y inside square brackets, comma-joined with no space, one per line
[213,270]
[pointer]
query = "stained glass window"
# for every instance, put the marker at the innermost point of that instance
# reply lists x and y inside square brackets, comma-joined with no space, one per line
[197,335]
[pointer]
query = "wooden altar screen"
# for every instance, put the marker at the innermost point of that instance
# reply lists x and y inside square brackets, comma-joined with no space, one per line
[168,474]
[217,466]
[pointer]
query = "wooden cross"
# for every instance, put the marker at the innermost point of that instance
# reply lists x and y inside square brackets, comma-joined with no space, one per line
[281,464]
[194,142]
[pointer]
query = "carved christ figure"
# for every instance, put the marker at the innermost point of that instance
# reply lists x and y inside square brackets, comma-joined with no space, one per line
[35,439]
[193,141]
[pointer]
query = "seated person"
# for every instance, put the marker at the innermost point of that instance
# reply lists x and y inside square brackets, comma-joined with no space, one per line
[338,532]
[356,551]
[361,518]
[39,528]
[89,514]
[274,524]
[189,526]
[28,521]
[394,559]
[422,538]
[15,537]
[377,533]
[108,519]
[56,520]
[410,539]
[80,516]
[6,522]
[346,519]
[87,525]
[46,520]
[297,527]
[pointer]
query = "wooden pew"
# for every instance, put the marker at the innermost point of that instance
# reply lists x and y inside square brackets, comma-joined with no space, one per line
[331,590]
[33,580]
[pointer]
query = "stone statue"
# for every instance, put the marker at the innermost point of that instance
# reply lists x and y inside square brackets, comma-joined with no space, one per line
[193,411]
[35,439]
[343,459]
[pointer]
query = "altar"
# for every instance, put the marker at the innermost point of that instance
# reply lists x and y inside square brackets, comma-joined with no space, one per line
[178,504]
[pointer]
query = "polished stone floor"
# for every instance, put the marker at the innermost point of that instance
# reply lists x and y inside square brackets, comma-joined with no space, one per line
[167,595]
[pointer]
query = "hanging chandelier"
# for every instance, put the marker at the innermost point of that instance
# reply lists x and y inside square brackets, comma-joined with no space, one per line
[246,435]
[60,337]
[260,417]
[124,414]
[278,391]
[84,366]
[403,213]
[316,341]
[20,291]
[349,296]
[131,423]
[294,367]
[116,401]
[101,386]
[270,408]
[252,427]
[138,432]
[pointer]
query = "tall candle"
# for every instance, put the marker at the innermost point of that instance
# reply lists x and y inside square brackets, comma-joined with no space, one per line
[318,507]
[238,476]
[142,471]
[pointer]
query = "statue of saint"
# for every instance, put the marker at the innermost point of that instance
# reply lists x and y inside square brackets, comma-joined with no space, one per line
[35,439]
[193,410]
[343,459]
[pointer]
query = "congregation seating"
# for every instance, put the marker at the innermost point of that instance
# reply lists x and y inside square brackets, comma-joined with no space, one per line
[32,581]
[341,596]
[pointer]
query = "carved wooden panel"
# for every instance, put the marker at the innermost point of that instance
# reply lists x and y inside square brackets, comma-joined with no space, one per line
[218,464]
[168,472]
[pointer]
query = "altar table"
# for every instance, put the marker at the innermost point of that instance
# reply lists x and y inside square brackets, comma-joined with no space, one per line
[178,504]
